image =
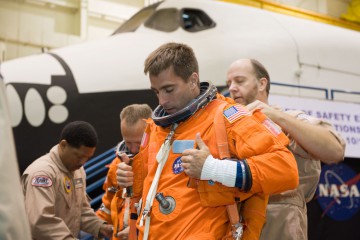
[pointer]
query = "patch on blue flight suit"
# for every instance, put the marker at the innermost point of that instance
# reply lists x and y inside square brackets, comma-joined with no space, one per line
[41,181]
[176,167]
[234,113]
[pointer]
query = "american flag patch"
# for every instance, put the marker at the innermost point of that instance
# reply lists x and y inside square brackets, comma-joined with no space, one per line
[144,140]
[235,112]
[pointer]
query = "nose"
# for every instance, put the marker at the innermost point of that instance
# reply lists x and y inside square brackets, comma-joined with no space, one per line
[162,99]
[83,160]
[232,87]
[134,148]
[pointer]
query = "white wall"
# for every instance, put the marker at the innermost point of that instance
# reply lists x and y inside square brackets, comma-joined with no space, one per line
[29,26]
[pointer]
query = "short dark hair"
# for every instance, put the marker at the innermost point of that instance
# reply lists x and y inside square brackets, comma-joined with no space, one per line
[179,56]
[135,112]
[261,72]
[79,133]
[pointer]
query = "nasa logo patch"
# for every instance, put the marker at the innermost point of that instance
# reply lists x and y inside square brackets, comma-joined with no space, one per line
[176,167]
[338,192]
[41,181]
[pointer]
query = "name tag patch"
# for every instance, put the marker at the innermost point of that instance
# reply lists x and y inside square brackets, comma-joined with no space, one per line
[78,182]
[41,181]
[179,146]
[273,128]
[234,113]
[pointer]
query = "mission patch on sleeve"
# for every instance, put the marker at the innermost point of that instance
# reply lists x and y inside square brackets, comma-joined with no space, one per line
[41,181]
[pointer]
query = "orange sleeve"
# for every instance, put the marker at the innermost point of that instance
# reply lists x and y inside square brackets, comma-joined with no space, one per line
[110,183]
[272,165]
[253,210]
[140,161]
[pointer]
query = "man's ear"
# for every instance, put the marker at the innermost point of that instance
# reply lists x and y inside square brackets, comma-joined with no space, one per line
[194,79]
[262,84]
[63,144]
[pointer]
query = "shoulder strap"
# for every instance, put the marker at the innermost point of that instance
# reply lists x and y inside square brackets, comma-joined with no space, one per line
[223,148]
[220,132]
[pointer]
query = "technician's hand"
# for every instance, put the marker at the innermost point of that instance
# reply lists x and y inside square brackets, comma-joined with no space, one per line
[106,230]
[124,174]
[269,111]
[124,234]
[193,159]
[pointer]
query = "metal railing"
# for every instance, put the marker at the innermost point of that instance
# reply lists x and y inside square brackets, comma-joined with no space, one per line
[96,172]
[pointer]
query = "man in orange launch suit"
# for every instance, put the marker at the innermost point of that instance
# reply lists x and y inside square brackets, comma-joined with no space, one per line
[187,127]
[115,201]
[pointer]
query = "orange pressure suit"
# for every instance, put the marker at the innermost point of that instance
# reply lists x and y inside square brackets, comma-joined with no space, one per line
[200,212]
[253,210]
[110,188]
[114,205]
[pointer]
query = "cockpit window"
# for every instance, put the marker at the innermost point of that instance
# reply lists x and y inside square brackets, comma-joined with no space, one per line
[135,21]
[169,19]
[195,20]
[166,20]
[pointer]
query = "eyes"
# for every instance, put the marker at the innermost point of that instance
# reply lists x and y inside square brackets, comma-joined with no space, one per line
[228,83]
[80,155]
[236,82]
[169,89]
[165,89]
